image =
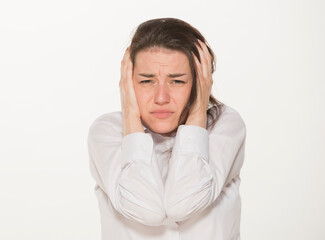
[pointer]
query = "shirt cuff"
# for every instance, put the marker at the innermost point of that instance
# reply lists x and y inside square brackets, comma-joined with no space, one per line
[191,139]
[137,146]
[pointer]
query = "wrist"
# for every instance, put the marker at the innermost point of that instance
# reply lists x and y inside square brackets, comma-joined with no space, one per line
[131,123]
[130,114]
[197,120]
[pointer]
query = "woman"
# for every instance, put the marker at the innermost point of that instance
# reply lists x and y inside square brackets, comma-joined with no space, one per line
[167,166]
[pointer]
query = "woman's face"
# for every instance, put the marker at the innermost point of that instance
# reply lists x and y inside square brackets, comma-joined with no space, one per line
[162,83]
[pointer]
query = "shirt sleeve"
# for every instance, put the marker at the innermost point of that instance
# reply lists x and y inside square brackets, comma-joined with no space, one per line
[202,163]
[123,168]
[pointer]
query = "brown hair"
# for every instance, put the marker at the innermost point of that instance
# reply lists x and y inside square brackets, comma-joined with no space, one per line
[175,34]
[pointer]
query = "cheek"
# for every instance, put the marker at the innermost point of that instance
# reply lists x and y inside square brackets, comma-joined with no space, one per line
[142,98]
[181,97]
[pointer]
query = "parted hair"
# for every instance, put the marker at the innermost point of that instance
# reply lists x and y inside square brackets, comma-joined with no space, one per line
[176,34]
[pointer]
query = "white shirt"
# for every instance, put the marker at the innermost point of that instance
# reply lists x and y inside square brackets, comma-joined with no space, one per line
[192,194]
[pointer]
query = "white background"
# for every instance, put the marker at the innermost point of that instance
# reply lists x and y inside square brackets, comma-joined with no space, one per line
[60,68]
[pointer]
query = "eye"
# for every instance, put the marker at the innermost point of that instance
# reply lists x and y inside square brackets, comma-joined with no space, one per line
[145,81]
[178,81]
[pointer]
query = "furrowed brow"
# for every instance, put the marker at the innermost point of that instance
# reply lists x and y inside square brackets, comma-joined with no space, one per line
[147,75]
[174,75]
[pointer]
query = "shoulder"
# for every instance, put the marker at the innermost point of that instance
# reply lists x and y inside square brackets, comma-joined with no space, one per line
[229,113]
[107,122]
[230,122]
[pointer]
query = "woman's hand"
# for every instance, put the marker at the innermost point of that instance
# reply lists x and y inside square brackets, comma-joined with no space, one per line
[128,98]
[131,121]
[204,81]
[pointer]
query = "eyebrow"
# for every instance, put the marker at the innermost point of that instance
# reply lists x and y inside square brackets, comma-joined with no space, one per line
[174,75]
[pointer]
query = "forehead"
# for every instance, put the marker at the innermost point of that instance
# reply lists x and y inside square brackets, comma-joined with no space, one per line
[153,58]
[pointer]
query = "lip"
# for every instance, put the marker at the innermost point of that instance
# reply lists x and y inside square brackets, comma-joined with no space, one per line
[162,113]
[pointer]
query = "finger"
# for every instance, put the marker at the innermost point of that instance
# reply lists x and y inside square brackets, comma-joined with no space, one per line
[200,51]
[198,75]
[129,71]
[125,64]
[198,65]
[204,62]
[129,65]
[206,54]
[204,48]
[204,78]
[125,55]
[209,62]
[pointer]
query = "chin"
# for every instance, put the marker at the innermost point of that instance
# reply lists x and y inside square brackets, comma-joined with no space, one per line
[161,127]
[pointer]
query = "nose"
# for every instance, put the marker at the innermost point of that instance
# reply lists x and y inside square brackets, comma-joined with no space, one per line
[162,94]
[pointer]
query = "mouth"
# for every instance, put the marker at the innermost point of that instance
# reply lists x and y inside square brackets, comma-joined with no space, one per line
[162,114]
